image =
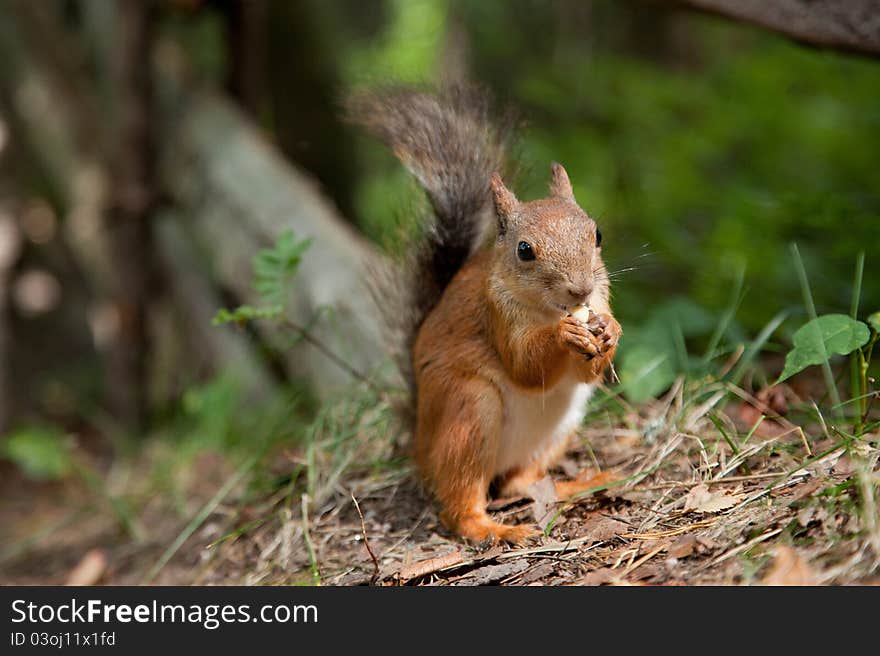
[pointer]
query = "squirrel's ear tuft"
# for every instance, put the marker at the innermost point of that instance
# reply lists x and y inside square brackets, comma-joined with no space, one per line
[560,185]
[505,202]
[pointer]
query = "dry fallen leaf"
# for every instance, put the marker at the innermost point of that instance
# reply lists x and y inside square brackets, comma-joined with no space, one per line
[598,577]
[90,569]
[700,499]
[543,493]
[770,402]
[807,489]
[805,516]
[843,467]
[537,573]
[601,529]
[789,569]
[493,573]
[431,565]
[706,544]
[683,546]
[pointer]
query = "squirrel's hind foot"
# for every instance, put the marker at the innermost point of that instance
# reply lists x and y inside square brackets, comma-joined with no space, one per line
[483,530]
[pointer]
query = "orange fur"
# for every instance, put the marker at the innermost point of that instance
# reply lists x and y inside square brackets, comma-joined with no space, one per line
[498,335]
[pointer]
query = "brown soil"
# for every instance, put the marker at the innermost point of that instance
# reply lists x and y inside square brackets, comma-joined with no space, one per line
[681,509]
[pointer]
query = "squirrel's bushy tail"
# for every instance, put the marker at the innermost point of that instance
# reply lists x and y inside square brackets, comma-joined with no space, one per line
[451,144]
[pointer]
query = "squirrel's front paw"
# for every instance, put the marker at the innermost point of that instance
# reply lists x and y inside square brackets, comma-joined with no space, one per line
[606,330]
[576,335]
[594,338]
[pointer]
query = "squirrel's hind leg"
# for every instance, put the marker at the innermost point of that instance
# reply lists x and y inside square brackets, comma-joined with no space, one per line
[568,489]
[517,481]
[457,437]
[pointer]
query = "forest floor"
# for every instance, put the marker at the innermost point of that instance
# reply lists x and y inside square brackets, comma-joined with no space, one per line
[685,495]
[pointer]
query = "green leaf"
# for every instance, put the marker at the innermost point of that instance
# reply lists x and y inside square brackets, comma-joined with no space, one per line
[41,454]
[874,321]
[245,313]
[275,267]
[819,339]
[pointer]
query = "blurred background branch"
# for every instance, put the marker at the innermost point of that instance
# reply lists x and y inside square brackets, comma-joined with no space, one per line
[850,26]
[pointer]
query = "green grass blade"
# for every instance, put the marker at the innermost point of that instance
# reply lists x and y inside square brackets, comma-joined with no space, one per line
[752,430]
[811,312]
[756,345]
[736,299]
[857,372]
[717,423]
[313,560]
[804,282]
[201,516]
[680,348]
[857,285]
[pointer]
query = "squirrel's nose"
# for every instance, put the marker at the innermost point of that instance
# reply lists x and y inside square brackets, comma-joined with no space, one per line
[579,293]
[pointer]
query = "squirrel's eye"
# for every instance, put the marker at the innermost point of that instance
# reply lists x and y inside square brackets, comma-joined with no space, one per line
[524,251]
[598,237]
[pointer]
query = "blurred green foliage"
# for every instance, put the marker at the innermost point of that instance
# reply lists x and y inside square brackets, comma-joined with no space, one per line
[274,270]
[703,147]
[275,267]
[654,351]
[218,415]
[42,453]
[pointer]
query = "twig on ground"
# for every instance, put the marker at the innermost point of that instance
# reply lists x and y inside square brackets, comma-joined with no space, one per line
[711,481]
[641,561]
[632,553]
[375,576]
[556,547]
[657,535]
[744,547]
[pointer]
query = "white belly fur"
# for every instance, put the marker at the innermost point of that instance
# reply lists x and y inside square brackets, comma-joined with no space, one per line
[535,421]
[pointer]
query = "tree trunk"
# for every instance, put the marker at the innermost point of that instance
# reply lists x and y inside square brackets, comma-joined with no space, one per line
[246,38]
[847,25]
[133,193]
[10,248]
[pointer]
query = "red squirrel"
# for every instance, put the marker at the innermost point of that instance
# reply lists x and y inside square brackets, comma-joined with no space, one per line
[501,368]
